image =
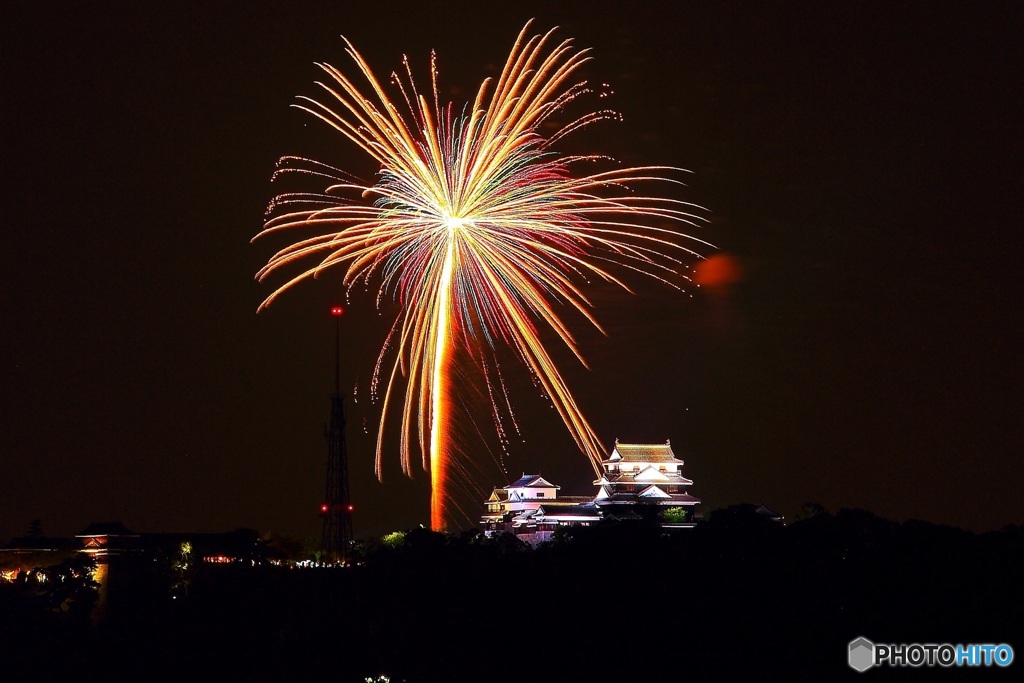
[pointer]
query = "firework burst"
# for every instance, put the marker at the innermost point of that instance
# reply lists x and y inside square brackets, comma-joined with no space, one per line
[478,226]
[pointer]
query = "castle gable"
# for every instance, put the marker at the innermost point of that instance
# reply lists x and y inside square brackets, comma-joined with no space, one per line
[651,475]
[653,492]
[531,481]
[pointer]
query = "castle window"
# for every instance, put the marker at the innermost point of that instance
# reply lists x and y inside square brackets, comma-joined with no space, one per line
[540,494]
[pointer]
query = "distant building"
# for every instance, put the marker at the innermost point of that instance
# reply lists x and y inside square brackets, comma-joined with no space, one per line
[529,492]
[645,476]
[531,509]
[106,539]
[638,481]
[25,553]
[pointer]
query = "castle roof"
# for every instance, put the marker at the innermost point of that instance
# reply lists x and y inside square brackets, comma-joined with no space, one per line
[531,481]
[26,544]
[648,475]
[498,496]
[568,500]
[105,529]
[643,452]
[650,495]
[560,511]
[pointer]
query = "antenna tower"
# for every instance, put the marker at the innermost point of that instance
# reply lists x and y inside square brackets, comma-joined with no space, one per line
[336,510]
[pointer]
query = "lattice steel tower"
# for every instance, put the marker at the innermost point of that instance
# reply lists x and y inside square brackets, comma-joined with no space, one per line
[336,509]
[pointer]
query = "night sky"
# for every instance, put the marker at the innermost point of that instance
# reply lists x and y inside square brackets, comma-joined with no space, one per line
[861,165]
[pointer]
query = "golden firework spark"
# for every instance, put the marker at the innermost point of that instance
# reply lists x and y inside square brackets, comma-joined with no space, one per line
[478,226]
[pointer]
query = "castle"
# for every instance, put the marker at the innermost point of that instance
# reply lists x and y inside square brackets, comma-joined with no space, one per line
[638,481]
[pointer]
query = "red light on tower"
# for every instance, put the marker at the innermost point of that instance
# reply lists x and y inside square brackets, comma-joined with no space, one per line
[324,509]
[336,311]
[351,508]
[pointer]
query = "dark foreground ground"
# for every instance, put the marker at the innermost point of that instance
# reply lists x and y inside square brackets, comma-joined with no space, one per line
[738,598]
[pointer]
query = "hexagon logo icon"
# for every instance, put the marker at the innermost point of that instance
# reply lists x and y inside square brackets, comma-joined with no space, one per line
[862,654]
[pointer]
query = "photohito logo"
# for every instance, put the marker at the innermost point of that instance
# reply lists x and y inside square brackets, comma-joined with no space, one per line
[863,654]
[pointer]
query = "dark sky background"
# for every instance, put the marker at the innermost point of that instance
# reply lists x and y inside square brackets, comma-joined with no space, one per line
[861,165]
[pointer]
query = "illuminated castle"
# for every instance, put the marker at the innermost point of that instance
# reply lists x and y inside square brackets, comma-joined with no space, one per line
[643,474]
[638,481]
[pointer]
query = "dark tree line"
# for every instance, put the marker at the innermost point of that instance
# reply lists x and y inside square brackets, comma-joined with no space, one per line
[738,596]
